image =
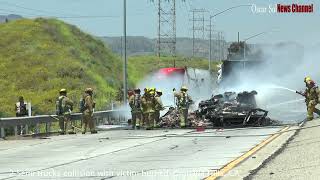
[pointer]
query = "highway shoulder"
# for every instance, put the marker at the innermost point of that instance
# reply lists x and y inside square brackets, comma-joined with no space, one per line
[260,156]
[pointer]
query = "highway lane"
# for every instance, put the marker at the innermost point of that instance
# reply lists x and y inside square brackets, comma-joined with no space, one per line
[127,154]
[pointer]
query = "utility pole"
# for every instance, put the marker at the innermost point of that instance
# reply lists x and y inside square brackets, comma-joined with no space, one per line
[211,30]
[198,29]
[174,29]
[159,29]
[125,82]
[210,45]
[193,30]
[166,41]
[219,41]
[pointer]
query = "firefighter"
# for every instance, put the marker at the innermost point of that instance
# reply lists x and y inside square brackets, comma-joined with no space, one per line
[64,106]
[21,111]
[183,101]
[312,97]
[21,108]
[143,108]
[136,109]
[158,106]
[89,106]
[148,106]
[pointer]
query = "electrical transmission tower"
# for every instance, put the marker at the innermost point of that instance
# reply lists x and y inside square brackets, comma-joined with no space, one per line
[220,46]
[166,41]
[198,32]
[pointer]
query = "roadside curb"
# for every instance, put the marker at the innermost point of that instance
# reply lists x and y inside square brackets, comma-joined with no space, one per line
[275,154]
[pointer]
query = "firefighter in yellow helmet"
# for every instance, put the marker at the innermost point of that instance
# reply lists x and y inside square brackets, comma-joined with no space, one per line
[87,113]
[311,94]
[183,101]
[148,108]
[143,108]
[153,89]
[136,109]
[307,79]
[158,107]
[64,106]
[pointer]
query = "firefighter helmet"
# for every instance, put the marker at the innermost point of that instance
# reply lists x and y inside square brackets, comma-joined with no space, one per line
[137,90]
[63,91]
[152,89]
[88,90]
[307,79]
[184,88]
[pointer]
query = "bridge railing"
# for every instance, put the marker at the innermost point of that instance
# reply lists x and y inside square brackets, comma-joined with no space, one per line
[115,117]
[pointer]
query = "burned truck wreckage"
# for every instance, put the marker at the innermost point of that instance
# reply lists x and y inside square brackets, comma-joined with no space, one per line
[232,108]
[223,110]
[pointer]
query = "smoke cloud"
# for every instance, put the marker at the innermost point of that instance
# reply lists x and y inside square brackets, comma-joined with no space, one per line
[281,71]
[200,85]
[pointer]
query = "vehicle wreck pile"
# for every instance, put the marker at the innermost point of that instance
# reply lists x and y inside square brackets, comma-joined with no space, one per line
[223,110]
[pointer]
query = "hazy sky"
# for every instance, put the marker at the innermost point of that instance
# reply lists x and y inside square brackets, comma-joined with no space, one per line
[142,17]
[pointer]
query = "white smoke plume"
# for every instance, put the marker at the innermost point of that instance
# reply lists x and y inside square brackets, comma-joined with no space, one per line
[199,82]
[282,72]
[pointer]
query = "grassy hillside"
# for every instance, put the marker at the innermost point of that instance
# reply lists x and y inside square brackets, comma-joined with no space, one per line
[39,57]
[140,66]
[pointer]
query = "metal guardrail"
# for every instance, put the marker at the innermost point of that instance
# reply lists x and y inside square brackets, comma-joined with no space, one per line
[115,117]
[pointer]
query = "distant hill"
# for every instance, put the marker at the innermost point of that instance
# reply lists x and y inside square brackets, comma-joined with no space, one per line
[39,57]
[138,45]
[9,17]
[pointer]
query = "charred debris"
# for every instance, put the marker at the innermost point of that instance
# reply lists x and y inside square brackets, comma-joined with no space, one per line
[229,109]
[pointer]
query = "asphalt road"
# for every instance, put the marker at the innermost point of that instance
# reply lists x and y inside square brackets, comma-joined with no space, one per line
[300,158]
[127,154]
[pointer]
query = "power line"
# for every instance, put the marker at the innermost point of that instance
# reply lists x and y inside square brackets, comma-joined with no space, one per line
[66,17]
[36,10]
[18,12]
[82,17]
[48,13]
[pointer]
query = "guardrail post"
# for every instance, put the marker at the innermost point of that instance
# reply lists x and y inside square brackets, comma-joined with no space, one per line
[26,127]
[37,130]
[15,130]
[2,133]
[48,128]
